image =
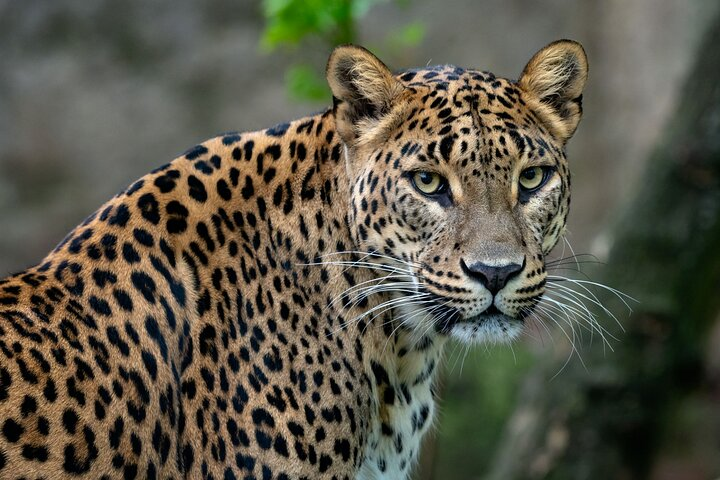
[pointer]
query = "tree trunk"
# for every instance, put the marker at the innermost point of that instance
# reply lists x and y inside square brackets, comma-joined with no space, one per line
[606,421]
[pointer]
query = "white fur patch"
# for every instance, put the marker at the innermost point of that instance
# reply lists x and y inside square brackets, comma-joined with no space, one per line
[494,329]
[391,457]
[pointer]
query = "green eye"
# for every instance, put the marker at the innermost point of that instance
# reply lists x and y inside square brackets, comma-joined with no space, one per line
[429,183]
[533,178]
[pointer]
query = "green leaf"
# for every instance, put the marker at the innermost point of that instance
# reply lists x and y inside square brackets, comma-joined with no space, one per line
[290,23]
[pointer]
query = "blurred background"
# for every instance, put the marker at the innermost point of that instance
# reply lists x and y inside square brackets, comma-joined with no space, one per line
[95,94]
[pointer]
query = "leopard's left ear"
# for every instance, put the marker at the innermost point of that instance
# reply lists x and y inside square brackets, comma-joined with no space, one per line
[554,79]
[363,88]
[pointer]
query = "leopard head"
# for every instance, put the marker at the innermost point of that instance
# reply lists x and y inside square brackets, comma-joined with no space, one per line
[459,182]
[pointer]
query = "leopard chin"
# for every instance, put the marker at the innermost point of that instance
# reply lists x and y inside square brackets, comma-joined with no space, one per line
[486,328]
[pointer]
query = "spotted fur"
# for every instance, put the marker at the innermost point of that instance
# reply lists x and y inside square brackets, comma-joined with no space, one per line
[274,305]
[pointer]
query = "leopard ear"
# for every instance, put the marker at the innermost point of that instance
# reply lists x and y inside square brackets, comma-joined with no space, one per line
[554,79]
[364,90]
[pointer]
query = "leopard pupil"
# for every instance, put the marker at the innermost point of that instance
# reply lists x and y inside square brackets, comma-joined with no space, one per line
[426,178]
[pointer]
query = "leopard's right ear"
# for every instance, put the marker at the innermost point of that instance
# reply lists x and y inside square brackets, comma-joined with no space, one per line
[554,80]
[364,90]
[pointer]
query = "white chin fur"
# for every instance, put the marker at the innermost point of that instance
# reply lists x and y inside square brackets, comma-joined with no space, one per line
[495,329]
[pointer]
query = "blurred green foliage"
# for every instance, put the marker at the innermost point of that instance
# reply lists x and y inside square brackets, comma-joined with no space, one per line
[305,83]
[296,24]
[478,395]
[290,21]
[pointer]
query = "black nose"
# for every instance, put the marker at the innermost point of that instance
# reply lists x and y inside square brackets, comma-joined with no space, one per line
[493,278]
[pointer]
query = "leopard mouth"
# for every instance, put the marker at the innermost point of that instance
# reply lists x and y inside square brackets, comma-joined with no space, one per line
[491,315]
[451,319]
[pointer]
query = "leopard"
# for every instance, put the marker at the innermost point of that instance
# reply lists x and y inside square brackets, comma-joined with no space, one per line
[275,304]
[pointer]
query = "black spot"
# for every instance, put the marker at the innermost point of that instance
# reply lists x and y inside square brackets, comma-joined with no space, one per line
[116,432]
[284,311]
[109,244]
[278,196]
[269,175]
[203,167]
[517,139]
[207,343]
[143,237]
[70,420]
[261,416]
[77,242]
[28,406]
[136,444]
[342,447]
[123,299]
[153,329]
[307,192]
[103,277]
[33,452]
[43,426]
[296,429]
[189,389]
[245,462]
[177,288]
[12,430]
[114,337]
[248,148]
[263,439]
[444,112]
[49,392]
[130,471]
[301,152]
[130,254]
[150,363]
[177,217]
[278,130]
[446,145]
[195,152]
[197,189]
[381,375]
[389,395]
[248,190]
[288,206]
[68,274]
[325,463]
[230,138]
[99,410]
[134,187]
[166,182]
[149,208]
[121,217]
[145,285]
[274,151]
[273,360]
[280,446]
[223,190]
[74,392]
[168,252]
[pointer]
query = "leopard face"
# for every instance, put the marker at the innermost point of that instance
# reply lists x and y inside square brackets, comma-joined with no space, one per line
[460,184]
